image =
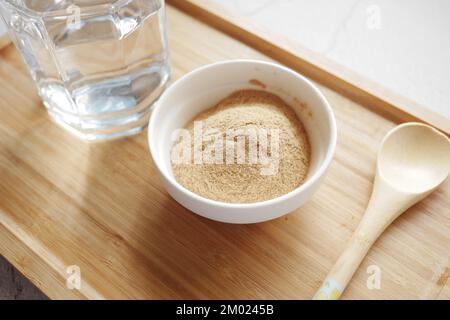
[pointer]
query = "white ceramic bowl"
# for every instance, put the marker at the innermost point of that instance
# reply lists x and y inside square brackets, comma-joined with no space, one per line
[206,86]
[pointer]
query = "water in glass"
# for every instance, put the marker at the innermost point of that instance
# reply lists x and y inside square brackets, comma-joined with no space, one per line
[99,65]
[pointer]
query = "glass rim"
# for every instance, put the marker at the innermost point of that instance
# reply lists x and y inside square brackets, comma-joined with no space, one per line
[85,10]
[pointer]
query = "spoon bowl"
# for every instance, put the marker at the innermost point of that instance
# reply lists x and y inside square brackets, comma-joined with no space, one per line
[414,158]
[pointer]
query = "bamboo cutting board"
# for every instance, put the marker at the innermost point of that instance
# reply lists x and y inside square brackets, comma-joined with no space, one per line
[101,207]
[4,39]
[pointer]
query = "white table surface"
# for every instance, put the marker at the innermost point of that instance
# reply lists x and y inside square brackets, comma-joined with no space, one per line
[2,28]
[401,44]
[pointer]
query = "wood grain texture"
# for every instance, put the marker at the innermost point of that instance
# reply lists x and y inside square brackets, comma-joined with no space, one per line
[315,66]
[4,41]
[103,208]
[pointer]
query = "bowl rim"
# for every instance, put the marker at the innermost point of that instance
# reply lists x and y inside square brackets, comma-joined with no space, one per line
[254,205]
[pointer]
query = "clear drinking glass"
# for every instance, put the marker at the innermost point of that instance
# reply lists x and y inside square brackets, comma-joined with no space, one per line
[99,65]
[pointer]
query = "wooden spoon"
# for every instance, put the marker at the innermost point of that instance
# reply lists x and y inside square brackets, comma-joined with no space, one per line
[414,159]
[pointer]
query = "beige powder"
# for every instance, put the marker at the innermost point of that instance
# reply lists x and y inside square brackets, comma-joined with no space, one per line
[244,182]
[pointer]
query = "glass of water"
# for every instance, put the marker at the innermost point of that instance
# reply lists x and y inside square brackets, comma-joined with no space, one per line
[99,65]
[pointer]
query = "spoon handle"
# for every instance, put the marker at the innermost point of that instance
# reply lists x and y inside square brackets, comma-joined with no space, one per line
[344,268]
[385,205]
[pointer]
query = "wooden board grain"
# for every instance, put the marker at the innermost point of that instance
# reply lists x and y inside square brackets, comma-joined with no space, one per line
[318,67]
[102,207]
[4,41]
